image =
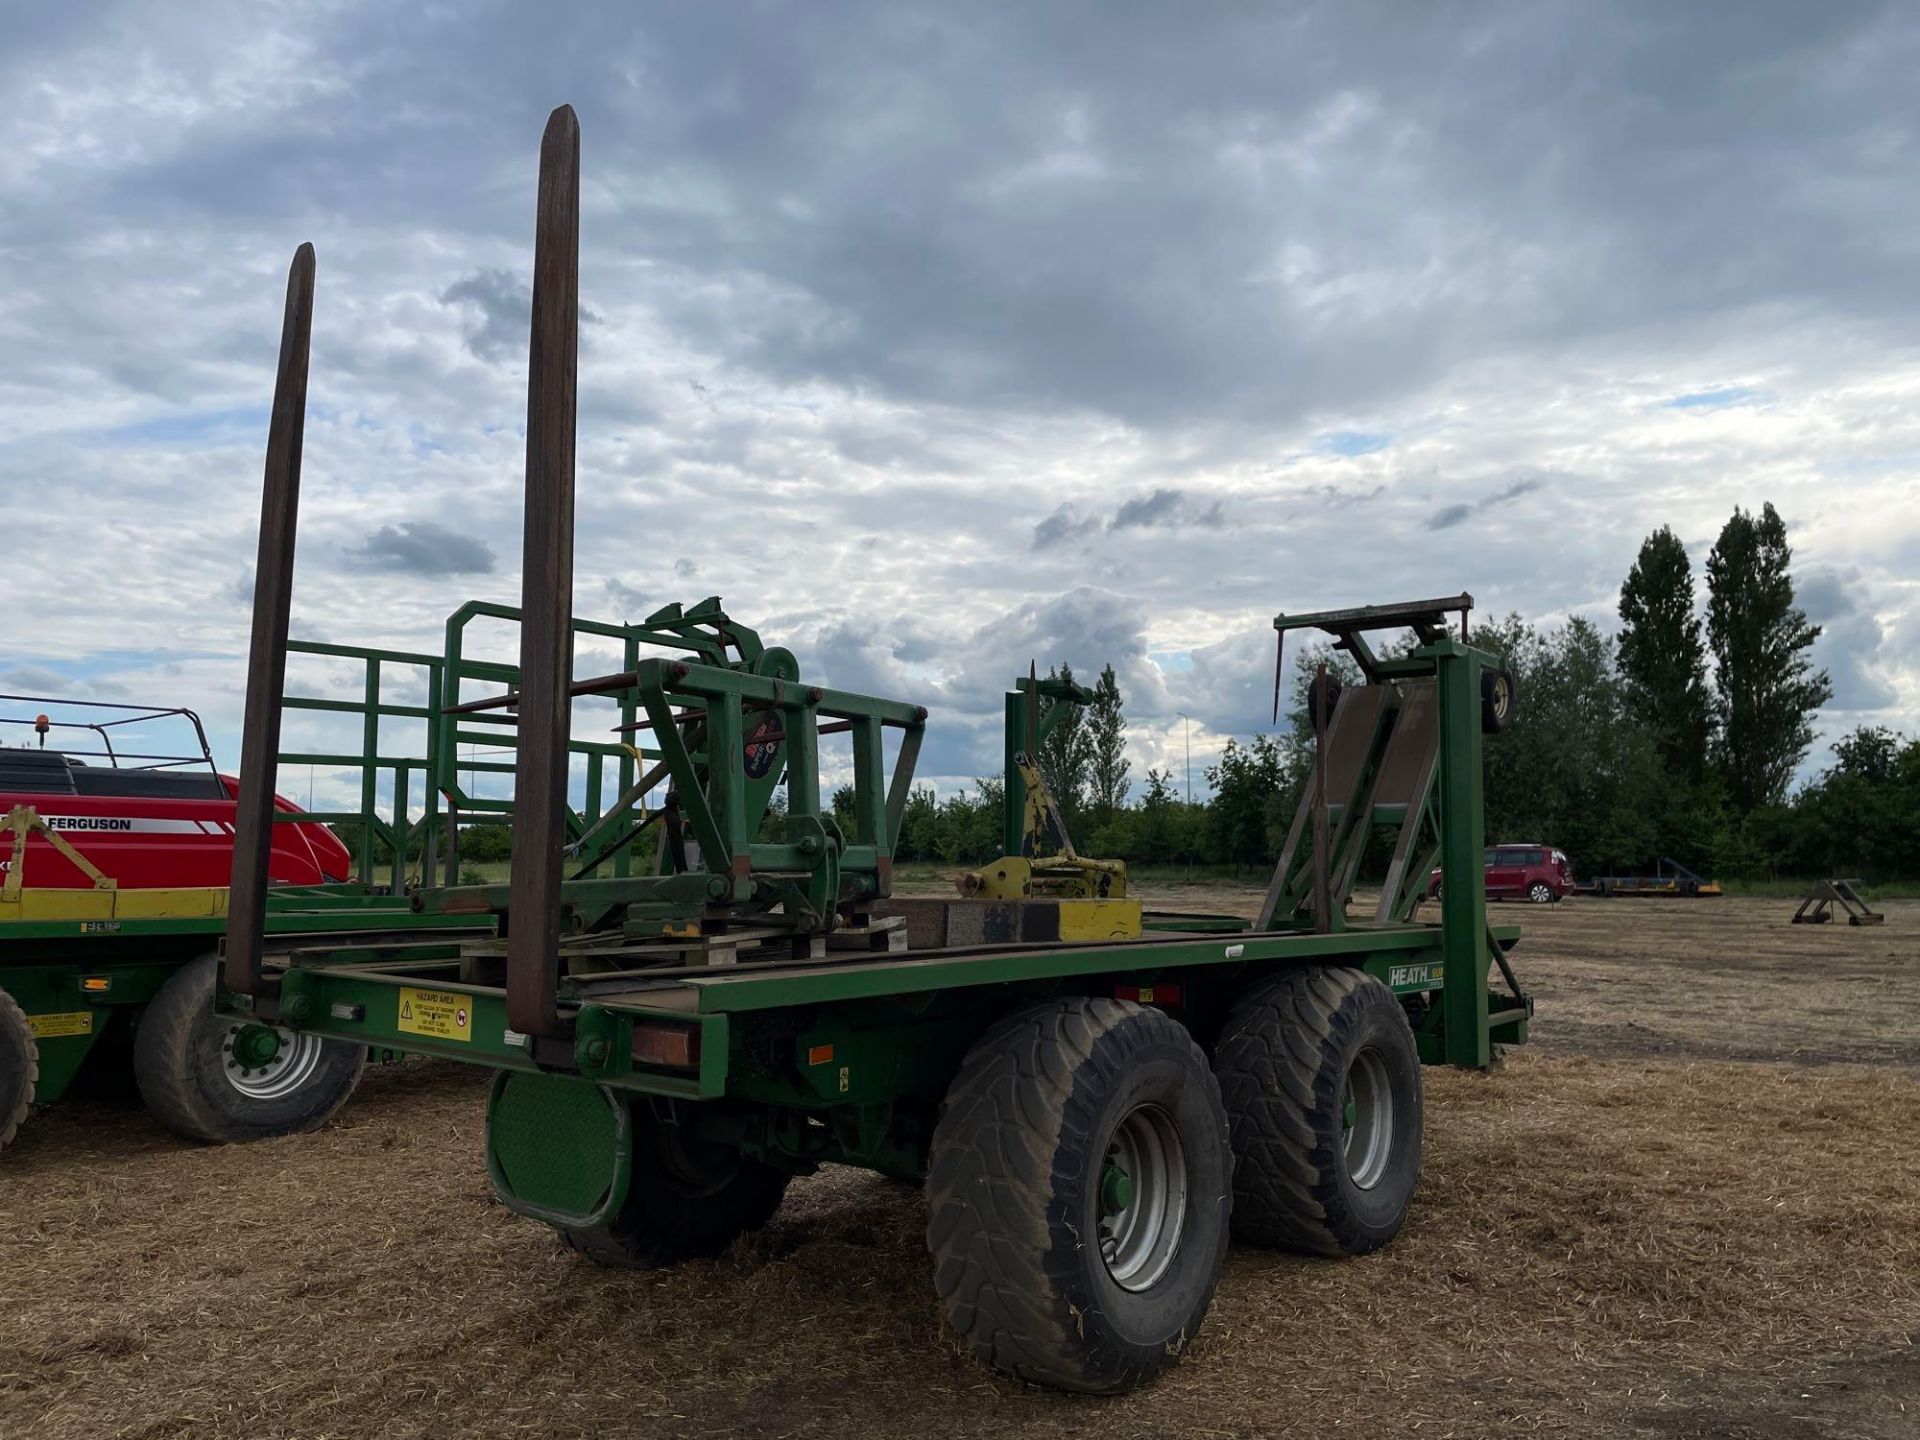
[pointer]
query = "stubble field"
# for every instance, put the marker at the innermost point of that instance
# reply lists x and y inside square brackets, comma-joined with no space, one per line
[1690,1208]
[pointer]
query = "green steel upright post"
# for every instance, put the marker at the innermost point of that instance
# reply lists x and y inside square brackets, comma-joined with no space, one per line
[370,772]
[1013,807]
[1027,726]
[1463,889]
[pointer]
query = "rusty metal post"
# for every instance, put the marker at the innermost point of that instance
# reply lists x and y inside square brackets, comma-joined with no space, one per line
[267,653]
[546,592]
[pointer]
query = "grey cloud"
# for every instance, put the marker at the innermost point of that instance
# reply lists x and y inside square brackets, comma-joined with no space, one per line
[1514,491]
[1852,643]
[1065,524]
[422,547]
[43,680]
[628,603]
[501,304]
[1061,207]
[1166,508]
[35,680]
[1450,515]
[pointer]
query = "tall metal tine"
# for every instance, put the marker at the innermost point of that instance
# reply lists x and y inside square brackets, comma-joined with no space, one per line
[546,592]
[267,654]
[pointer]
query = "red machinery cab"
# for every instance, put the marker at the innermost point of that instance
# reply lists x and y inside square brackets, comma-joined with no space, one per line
[145,819]
[1539,873]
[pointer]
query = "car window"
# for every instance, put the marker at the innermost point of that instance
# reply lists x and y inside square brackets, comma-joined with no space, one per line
[1492,858]
[1535,857]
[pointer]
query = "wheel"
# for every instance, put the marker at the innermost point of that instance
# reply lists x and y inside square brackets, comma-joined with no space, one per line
[1496,700]
[19,1067]
[688,1199]
[1322,1085]
[211,1077]
[1540,893]
[1077,1194]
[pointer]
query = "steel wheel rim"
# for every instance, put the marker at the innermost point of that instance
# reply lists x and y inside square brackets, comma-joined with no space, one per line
[1366,1135]
[291,1067]
[1139,1238]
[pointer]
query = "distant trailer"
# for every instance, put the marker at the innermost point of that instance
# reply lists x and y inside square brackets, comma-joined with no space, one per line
[1670,879]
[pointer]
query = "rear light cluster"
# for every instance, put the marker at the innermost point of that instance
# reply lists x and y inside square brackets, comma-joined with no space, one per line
[670,1046]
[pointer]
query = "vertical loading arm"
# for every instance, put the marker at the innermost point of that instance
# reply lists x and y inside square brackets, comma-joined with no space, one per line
[267,651]
[546,592]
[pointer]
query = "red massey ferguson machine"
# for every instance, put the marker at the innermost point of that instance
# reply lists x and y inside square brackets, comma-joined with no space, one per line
[149,819]
[116,854]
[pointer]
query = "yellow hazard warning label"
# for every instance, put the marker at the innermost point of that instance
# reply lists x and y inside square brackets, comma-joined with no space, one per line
[67,1022]
[441,1014]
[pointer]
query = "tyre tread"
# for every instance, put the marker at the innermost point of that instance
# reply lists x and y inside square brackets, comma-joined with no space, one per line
[990,1186]
[1273,1061]
[17,1029]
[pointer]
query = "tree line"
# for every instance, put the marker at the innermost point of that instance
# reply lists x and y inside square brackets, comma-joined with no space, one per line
[1678,737]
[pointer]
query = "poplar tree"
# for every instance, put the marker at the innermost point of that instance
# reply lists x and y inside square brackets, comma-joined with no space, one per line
[1767,689]
[1107,728]
[1662,659]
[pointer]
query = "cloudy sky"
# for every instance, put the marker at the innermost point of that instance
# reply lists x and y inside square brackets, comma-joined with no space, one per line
[938,338]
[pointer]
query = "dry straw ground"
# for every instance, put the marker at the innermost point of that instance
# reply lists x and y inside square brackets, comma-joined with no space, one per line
[1691,1209]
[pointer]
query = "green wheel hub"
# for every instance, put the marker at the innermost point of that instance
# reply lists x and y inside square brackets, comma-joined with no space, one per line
[255,1047]
[265,1062]
[1116,1189]
[1142,1198]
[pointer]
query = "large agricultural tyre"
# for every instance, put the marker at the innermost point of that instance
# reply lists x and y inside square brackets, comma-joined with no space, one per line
[1321,1078]
[687,1200]
[19,1067]
[1077,1194]
[214,1078]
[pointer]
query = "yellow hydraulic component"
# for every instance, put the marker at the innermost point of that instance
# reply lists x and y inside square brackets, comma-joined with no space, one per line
[1067,876]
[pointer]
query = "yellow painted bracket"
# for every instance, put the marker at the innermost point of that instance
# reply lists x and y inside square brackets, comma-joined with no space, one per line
[22,821]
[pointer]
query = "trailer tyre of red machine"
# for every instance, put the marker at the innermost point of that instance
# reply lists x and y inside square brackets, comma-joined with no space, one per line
[1322,1084]
[19,1068]
[216,1079]
[1078,1193]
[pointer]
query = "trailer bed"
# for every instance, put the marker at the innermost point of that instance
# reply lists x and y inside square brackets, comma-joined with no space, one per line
[368,992]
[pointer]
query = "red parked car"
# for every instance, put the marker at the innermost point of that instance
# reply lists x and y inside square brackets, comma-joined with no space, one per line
[1538,873]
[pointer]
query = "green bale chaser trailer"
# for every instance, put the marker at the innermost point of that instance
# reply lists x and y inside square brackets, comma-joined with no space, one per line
[671,1045]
